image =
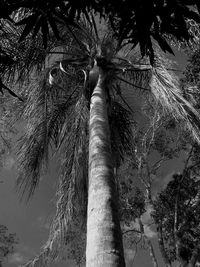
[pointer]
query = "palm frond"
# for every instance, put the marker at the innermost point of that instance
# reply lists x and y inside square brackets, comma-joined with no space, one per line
[166,90]
[27,55]
[30,57]
[70,219]
[46,110]
[135,71]
[33,145]
[122,127]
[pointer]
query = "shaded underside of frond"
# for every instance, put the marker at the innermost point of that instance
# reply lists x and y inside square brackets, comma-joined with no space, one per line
[121,128]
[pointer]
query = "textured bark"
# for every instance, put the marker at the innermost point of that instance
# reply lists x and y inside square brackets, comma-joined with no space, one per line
[104,239]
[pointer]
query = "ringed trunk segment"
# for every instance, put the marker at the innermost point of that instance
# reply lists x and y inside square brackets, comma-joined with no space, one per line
[104,239]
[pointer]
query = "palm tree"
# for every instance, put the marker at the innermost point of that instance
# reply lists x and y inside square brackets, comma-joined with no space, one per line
[51,114]
[92,71]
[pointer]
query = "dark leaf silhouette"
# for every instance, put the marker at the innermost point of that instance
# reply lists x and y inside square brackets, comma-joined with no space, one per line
[2,86]
[126,18]
[29,23]
[163,43]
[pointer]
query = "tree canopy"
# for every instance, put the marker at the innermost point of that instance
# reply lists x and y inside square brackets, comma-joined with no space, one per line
[7,242]
[176,214]
[162,18]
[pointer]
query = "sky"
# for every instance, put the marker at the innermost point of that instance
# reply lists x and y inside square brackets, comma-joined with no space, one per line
[30,221]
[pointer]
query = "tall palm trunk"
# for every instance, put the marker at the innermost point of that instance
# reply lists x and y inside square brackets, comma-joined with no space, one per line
[104,239]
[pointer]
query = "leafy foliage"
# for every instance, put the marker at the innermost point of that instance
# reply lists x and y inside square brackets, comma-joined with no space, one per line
[190,81]
[132,201]
[126,18]
[7,243]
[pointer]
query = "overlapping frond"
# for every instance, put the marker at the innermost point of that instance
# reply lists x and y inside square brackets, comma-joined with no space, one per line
[133,71]
[46,109]
[33,149]
[26,56]
[69,221]
[166,90]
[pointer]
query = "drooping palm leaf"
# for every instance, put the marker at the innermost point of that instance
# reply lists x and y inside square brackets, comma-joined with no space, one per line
[28,57]
[121,126]
[33,149]
[46,109]
[72,190]
[166,90]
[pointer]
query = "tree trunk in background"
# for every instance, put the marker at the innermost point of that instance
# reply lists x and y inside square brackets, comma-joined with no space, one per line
[194,258]
[152,253]
[149,244]
[104,239]
[162,247]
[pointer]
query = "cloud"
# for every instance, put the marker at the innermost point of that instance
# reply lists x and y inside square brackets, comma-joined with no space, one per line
[168,178]
[21,255]
[25,250]
[147,220]
[160,183]
[16,257]
[42,222]
[9,163]
[146,217]
[149,232]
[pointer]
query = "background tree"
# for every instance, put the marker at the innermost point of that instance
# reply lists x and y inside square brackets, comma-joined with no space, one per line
[157,140]
[7,243]
[165,137]
[176,216]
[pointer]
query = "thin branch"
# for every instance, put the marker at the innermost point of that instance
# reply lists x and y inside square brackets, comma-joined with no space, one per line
[131,230]
[187,161]
[76,39]
[157,164]
[174,70]
[63,53]
[125,103]
[95,26]
[132,84]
